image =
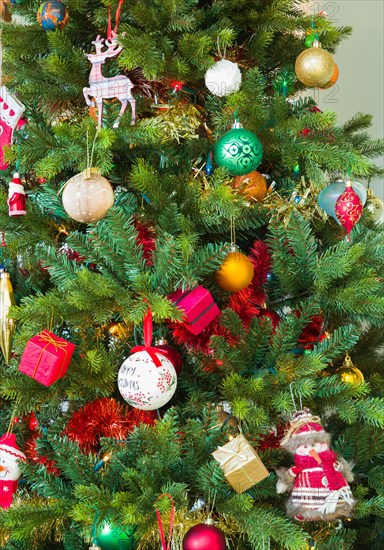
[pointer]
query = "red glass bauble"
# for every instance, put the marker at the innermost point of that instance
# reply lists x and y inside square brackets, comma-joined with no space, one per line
[349,208]
[171,354]
[204,537]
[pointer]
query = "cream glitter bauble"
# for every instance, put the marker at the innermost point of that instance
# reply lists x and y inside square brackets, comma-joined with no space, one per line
[314,67]
[87,196]
[223,78]
[144,385]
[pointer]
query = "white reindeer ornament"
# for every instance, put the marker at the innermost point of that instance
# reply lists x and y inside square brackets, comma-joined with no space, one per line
[101,87]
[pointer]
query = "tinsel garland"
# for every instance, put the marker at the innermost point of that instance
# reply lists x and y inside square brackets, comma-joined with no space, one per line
[32,454]
[104,417]
[312,333]
[146,239]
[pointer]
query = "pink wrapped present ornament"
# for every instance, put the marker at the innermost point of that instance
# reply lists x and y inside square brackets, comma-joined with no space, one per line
[46,357]
[199,308]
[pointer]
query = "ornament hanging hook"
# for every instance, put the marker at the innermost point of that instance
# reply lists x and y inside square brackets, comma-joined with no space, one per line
[12,420]
[232,231]
[93,146]
[292,397]
[221,53]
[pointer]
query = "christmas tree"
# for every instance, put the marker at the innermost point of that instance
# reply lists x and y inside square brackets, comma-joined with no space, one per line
[194,267]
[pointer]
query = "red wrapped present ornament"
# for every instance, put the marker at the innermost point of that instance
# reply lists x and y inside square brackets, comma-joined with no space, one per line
[199,308]
[46,357]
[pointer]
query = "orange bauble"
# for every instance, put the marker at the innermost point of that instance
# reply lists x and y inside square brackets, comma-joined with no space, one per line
[252,185]
[333,79]
[236,272]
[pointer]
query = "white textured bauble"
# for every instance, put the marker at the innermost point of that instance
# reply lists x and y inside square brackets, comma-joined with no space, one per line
[144,385]
[87,196]
[223,78]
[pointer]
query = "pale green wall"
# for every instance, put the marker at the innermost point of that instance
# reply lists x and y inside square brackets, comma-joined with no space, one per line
[361,63]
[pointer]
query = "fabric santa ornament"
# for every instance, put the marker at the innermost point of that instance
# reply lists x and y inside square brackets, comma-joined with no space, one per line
[16,197]
[319,478]
[10,454]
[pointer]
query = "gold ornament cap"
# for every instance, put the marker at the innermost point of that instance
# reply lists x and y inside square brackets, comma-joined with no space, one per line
[161,342]
[348,361]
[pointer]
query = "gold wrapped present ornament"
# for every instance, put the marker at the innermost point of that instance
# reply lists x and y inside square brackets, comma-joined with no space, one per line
[241,464]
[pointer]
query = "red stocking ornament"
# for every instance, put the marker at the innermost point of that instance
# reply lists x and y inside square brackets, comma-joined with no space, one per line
[10,112]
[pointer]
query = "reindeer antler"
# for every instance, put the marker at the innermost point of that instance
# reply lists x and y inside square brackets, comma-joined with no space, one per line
[113,48]
[98,43]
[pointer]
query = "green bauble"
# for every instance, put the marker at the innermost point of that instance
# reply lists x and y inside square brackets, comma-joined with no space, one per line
[239,151]
[111,537]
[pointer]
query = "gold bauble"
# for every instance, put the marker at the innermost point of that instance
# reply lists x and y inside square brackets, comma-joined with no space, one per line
[7,325]
[314,67]
[350,374]
[333,79]
[253,186]
[375,206]
[87,196]
[236,272]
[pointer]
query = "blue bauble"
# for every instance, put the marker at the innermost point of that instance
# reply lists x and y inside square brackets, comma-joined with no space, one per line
[328,197]
[52,15]
[239,151]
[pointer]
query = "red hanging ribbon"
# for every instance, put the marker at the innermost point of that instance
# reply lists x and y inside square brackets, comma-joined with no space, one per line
[118,13]
[151,350]
[109,31]
[165,546]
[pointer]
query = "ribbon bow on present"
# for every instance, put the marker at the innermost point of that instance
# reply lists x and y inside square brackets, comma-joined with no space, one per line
[48,337]
[233,452]
[151,350]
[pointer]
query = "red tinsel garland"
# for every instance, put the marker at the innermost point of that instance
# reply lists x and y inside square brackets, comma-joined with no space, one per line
[104,418]
[30,450]
[272,439]
[312,333]
[146,239]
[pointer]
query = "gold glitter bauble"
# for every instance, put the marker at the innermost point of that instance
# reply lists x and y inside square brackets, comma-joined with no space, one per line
[253,186]
[87,196]
[314,67]
[350,374]
[334,78]
[236,272]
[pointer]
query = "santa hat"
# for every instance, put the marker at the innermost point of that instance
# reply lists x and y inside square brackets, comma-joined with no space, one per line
[8,445]
[16,185]
[304,429]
